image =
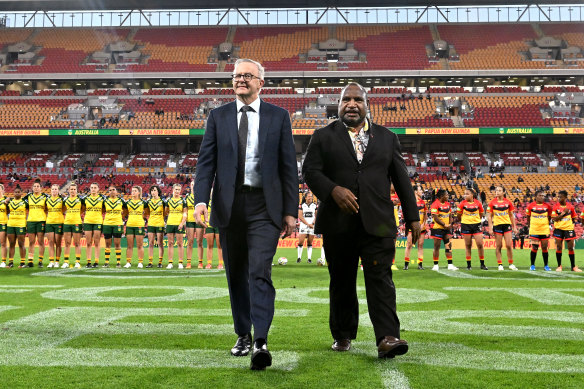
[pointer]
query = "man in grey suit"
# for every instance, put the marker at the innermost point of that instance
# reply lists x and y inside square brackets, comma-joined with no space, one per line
[249,159]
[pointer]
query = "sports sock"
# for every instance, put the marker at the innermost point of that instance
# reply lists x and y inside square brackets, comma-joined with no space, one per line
[66,258]
[449,260]
[421,259]
[4,259]
[435,261]
[533,254]
[468,260]
[482,259]
[140,260]
[118,255]
[545,256]
[77,259]
[150,259]
[572,259]
[407,261]
[299,249]
[559,258]
[108,252]
[309,251]
[41,257]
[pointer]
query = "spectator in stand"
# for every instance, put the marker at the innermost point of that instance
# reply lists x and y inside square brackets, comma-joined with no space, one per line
[576,188]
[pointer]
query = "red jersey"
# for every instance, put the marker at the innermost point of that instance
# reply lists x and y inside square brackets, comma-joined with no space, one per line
[500,211]
[471,212]
[422,210]
[539,214]
[566,223]
[441,211]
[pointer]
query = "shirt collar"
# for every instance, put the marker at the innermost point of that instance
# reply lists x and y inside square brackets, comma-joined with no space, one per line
[255,105]
[364,129]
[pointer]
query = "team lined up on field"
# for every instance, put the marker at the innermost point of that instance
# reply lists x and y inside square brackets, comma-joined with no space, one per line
[66,217]
[470,212]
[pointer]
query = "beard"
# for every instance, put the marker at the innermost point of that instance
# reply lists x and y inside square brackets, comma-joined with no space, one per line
[352,121]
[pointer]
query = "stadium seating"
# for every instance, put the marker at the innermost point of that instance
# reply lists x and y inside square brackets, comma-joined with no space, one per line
[486,46]
[278,48]
[476,159]
[509,111]
[388,47]
[415,113]
[178,49]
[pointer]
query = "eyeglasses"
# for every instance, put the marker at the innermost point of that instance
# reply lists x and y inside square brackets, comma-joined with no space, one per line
[246,76]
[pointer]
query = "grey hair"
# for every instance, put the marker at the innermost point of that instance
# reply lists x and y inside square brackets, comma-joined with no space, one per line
[261,69]
[358,86]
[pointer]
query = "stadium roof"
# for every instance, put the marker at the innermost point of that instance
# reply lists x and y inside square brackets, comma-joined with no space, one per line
[70,5]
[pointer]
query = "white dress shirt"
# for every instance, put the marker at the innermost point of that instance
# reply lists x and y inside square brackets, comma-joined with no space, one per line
[253,176]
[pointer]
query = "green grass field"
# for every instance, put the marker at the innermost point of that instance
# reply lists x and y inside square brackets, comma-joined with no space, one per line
[152,328]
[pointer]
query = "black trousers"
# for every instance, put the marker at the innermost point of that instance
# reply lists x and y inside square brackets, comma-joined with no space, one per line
[342,253]
[249,244]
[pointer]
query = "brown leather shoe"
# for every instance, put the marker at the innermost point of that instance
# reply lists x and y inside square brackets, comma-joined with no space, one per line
[341,345]
[390,347]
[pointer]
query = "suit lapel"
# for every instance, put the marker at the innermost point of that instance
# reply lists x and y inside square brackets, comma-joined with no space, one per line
[231,126]
[265,120]
[343,133]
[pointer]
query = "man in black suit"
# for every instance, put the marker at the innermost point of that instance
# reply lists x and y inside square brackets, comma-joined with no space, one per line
[350,166]
[248,157]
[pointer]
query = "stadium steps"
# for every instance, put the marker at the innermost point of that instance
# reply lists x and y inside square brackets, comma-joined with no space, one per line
[332,32]
[231,34]
[444,63]
[434,32]
[457,121]
[29,39]
[538,30]
[132,34]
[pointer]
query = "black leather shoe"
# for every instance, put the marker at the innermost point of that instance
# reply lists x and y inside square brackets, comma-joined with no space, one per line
[242,346]
[483,267]
[390,346]
[260,356]
[420,267]
[341,345]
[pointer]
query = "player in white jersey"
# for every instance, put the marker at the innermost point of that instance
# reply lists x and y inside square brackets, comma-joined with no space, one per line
[307,217]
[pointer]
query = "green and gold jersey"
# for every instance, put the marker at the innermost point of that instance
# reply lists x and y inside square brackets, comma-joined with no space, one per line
[113,211]
[190,199]
[135,213]
[156,218]
[36,207]
[55,210]
[17,213]
[175,210]
[73,206]
[3,214]
[94,209]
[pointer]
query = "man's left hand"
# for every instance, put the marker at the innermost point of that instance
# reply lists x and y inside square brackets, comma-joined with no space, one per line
[415,228]
[288,226]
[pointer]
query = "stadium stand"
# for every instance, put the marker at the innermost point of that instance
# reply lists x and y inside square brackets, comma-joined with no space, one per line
[484,46]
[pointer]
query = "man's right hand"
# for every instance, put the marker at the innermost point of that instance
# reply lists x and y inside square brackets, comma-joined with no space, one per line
[201,215]
[345,199]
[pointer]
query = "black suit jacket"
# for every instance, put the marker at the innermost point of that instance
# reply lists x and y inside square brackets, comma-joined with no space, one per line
[217,163]
[331,160]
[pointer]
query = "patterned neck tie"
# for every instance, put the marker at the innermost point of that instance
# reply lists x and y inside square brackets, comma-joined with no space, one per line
[242,144]
[358,143]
